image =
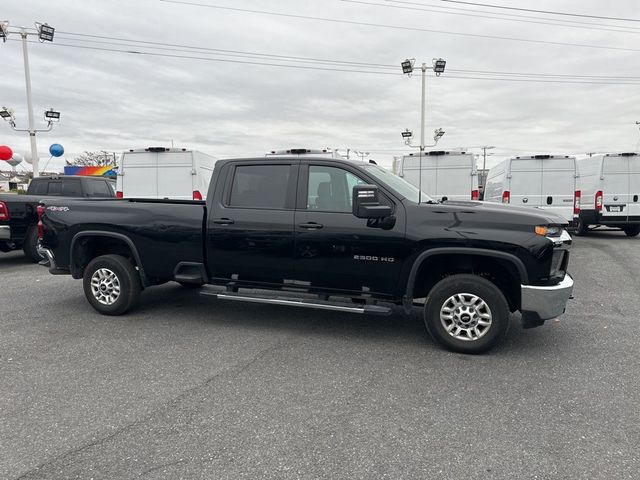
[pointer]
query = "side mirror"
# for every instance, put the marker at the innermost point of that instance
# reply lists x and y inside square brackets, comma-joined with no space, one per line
[366,204]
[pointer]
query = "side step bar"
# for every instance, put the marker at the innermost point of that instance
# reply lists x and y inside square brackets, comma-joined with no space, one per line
[301,302]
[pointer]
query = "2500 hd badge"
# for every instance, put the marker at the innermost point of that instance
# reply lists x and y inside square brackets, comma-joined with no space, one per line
[374,258]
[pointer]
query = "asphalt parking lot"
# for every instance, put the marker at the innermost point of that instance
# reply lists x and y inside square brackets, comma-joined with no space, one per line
[191,387]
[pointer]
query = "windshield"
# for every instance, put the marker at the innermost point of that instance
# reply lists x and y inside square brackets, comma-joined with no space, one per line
[398,184]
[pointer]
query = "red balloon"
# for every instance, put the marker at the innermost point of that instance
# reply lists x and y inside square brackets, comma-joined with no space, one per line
[5,153]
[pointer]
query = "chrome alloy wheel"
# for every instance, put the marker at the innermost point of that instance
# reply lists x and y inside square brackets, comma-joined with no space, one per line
[465,316]
[105,286]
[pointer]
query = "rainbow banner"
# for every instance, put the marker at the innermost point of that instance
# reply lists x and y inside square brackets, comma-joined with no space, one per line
[108,171]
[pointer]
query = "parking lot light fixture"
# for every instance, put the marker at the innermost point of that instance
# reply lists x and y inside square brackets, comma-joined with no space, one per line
[438,66]
[45,32]
[4,30]
[5,113]
[407,66]
[51,115]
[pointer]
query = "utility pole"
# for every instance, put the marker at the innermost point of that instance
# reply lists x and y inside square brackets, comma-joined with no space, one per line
[45,34]
[484,156]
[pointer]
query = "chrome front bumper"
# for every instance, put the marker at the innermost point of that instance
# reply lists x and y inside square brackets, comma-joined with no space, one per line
[546,302]
[5,232]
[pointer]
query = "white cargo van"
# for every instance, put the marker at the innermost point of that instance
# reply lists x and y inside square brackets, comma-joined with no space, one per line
[543,181]
[159,172]
[445,175]
[610,187]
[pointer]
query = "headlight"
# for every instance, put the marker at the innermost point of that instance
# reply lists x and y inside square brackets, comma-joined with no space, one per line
[548,231]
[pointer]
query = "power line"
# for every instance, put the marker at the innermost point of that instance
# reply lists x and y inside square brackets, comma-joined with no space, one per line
[221,51]
[303,67]
[515,15]
[487,72]
[244,54]
[548,12]
[464,74]
[154,54]
[397,27]
[539,22]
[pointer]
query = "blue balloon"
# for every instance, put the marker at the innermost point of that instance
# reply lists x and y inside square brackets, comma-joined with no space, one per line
[56,150]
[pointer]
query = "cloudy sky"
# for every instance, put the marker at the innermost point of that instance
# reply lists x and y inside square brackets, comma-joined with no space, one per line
[131,74]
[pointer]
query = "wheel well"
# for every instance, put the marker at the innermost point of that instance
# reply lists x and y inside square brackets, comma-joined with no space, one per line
[87,248]
[500,272]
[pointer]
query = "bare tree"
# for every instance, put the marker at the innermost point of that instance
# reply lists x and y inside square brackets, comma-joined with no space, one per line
[100,158]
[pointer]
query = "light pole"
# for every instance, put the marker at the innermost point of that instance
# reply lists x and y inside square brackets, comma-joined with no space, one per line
[45,34]
[438,67]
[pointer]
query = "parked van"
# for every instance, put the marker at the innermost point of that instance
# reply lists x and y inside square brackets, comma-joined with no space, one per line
[445,175]
[610,187]
[543,181]
[159,172]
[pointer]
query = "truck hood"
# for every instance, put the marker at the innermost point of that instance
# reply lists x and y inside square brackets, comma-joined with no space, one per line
[498,213]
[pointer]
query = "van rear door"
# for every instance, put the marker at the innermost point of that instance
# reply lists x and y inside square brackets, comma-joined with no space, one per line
[559,185]
[454,176]
[138,174]
[634,188]
[176,175]
[615,188]
[525,182]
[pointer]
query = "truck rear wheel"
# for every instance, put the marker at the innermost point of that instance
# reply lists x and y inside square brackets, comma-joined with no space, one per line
[111,284]
[30,247]
[466,313]
[632,230]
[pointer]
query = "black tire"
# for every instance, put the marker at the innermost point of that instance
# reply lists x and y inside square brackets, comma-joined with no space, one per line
[126,277]
[632,230]
[30,247]
[487,337]
[581,229]
[191,286]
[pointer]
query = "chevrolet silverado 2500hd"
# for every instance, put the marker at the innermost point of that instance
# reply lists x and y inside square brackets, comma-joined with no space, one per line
[321,233]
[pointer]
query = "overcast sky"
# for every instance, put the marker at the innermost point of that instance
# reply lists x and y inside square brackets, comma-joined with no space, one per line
[113,100]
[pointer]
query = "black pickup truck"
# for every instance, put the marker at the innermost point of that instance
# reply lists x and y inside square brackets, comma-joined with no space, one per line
[321,233]
[18,215]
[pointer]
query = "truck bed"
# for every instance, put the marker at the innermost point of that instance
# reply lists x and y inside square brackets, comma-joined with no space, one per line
[164,232]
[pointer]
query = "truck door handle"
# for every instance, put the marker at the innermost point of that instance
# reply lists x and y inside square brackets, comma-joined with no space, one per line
[223,221]
[311,226]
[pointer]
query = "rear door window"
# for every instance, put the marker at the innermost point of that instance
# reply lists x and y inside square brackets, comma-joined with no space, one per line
[260,186]
[99,188]
[71,188]
[55,188]
[39,188]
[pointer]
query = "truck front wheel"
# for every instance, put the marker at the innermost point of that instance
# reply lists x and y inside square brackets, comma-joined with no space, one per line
[111,284]
[466,314]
